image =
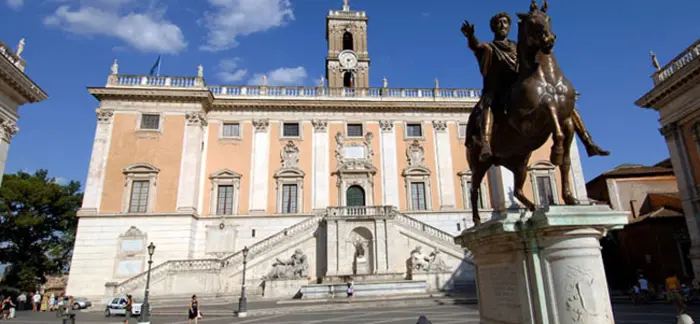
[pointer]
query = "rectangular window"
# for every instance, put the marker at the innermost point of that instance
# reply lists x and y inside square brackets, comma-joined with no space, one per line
[289,198]
[469,197]
[150,121]
[544,190]
[139,196]
[414,130]
[418,201]
[290,130]
[224,200]
[231,130]
[462,130]
[354,130]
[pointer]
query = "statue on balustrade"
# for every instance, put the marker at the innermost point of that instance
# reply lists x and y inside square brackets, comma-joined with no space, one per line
[297,267]
[526,99]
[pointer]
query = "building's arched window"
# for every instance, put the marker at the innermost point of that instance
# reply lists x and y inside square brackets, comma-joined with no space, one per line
[348,81]
[348,43]
[544,184]
[140,188]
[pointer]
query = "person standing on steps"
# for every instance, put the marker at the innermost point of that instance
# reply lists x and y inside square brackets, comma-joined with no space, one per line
[193,311]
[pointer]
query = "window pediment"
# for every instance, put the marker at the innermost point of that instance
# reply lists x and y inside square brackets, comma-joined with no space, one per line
[225,174]
[142,168]
[542,165]
[416,171]
[132,232]
[289,173]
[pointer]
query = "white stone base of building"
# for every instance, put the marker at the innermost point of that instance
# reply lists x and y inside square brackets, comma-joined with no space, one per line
[543,269]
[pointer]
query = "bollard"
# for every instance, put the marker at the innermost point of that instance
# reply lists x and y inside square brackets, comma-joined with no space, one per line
[423,320]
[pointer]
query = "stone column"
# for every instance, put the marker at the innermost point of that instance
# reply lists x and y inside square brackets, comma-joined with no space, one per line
[545,269]
[443,155]
[321,166]
[501,185]
[98,162]
[381,247]
[261,158]
[684,177]
[389,165]
[187,192]
[578,182]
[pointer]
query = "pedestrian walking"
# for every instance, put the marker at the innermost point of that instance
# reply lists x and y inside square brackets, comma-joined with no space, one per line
[351,290]
[673,291]
[128,308]
[643,289]
[194,312]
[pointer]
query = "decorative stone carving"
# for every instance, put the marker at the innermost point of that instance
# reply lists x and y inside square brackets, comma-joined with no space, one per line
[368,142]
[339,140]
[297,267]
[115,67]
[261,125]
[132,232]
[415,154]
[386,125]
[668,130]
[440,125]
[290,156]
[431,263]
[9,129]
[418,261]
[437,83]
[385,83]
[195,118]
[20,47]
[200,71]
[320,125]
[104,115]
[583,299]
[436,263]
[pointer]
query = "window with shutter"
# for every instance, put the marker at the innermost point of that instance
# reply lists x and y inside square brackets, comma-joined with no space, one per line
[289,198]
[355,196]
[224,200]
[418,201]
[231,130]
[150,121]
[139,196]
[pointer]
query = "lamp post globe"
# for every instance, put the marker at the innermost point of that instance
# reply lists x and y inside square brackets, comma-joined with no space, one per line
[243,301]
[146,307]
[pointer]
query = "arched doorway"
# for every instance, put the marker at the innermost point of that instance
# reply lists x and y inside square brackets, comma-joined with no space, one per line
[355,196]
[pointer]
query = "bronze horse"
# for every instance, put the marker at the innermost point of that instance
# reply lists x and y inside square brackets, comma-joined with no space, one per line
[539,105]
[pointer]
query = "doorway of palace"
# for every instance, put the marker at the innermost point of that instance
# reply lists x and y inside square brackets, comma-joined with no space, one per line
[362,251]
[355,196]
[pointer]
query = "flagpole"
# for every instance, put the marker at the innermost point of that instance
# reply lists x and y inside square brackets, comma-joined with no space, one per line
[160,59]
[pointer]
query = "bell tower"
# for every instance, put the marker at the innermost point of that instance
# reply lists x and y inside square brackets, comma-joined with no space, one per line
[347,63]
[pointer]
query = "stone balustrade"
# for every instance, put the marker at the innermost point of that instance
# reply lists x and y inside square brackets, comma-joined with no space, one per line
[362,211]
[293,92]
[690,54]
[425,228]
[10,55]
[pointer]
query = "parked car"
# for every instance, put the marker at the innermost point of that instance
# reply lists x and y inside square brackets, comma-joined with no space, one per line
[81,303]
[116,307]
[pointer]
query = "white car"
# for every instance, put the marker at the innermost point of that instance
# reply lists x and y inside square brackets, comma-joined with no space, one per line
[116,307]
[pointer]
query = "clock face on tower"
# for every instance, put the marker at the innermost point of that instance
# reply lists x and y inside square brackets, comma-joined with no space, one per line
[348,59]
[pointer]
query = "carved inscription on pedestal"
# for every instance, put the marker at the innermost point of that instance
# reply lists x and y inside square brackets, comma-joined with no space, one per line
[498,293]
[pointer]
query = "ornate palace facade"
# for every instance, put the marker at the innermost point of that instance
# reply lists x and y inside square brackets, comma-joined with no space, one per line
[676,96]
[203,170]
[16,89]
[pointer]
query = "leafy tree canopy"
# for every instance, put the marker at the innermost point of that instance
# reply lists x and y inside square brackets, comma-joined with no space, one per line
[38,222]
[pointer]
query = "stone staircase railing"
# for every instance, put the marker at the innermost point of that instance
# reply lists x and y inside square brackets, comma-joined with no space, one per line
[425,228]
[160,271]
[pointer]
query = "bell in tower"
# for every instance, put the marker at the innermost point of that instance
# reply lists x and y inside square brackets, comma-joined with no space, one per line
[347,63]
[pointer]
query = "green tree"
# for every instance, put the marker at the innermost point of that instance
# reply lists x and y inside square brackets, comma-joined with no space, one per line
[38,222]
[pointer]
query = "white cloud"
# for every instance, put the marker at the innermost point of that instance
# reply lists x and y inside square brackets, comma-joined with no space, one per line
[232,18]
[230,72]
[146,31]
[61,181]
[15,4]
[281,76]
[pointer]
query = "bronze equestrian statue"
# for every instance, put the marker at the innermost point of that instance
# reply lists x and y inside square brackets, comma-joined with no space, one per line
[525,100]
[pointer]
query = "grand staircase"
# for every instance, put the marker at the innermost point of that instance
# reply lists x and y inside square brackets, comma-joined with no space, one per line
[214,277]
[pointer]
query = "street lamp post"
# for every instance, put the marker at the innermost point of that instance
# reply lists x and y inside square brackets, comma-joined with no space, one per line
[243,301]
[146,308]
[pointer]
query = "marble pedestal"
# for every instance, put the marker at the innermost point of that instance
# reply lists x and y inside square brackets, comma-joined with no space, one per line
[544,269]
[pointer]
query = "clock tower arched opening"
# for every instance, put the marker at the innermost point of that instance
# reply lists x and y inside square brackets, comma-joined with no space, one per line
[347,79]
[348,41]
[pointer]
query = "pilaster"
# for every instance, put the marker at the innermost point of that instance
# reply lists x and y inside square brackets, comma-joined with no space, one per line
[445,171]
[260,161]
[92,197]
[389,164]
[187,194]
[576,174]
[9,129]
[501,185]
[321,166]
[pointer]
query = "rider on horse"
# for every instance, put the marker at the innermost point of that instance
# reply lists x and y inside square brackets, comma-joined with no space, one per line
[498,63]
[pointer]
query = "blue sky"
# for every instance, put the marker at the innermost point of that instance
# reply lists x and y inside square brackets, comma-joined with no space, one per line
[70,44]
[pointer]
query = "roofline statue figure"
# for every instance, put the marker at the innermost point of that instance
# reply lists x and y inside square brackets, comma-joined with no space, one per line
[526,100]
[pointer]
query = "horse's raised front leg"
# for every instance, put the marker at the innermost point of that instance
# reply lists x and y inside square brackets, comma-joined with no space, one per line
[519,169]
[569,133]
[557,154]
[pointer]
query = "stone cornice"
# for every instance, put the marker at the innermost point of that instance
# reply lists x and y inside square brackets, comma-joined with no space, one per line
[20,82]
[177,95]
[675,85]
[342,105]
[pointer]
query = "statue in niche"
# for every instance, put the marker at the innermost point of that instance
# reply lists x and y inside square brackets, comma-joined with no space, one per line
[359,260]
[415,154]
[339,146]
[297,267]
[290,155]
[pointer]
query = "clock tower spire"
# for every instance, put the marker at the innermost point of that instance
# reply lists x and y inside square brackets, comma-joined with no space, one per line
[347,63]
